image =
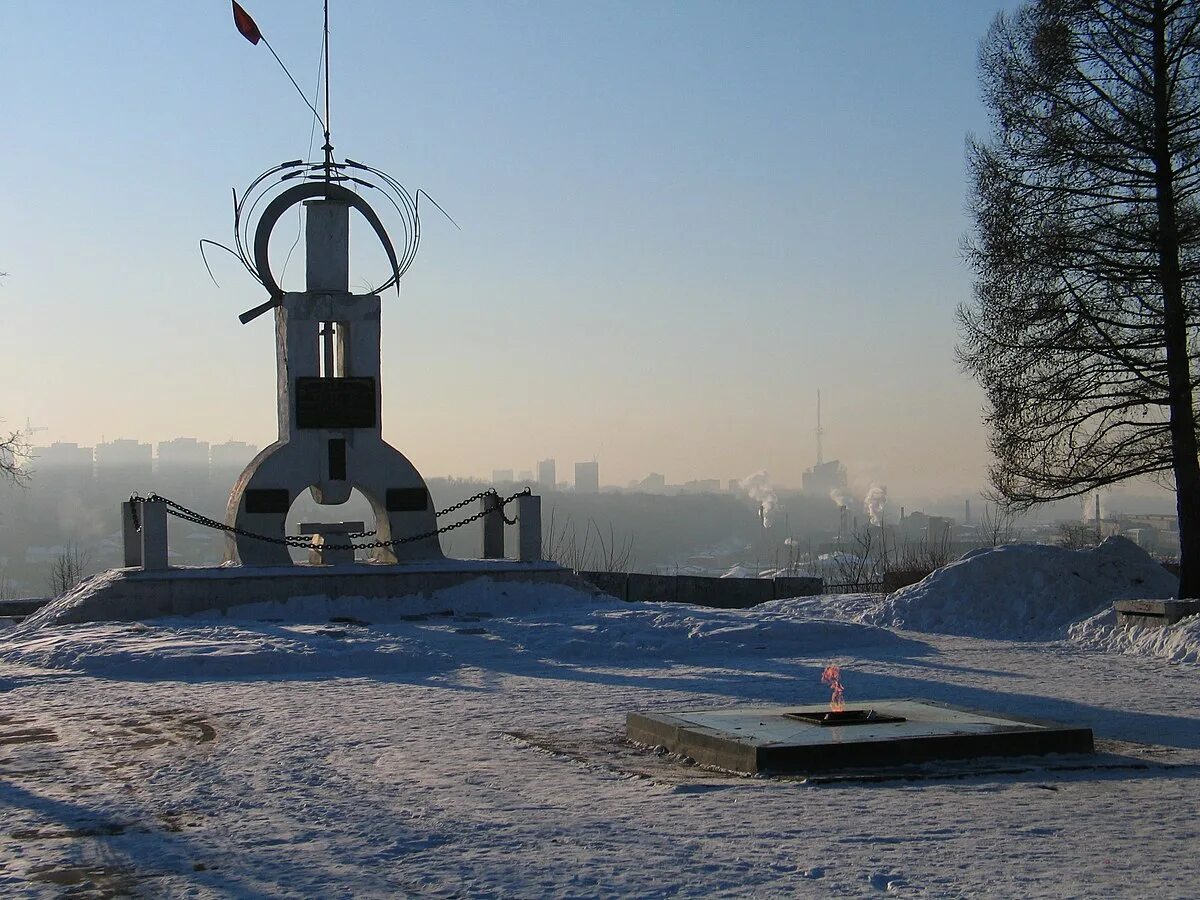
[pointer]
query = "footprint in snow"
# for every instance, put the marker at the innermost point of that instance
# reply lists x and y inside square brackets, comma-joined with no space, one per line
[885,881]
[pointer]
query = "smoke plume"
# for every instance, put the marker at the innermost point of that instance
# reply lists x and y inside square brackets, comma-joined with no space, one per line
[1088,508]
[840,497]
[874,503]
[758,487]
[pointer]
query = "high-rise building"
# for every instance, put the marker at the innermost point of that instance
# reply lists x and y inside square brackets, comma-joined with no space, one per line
[182,466]
[125,464]
[546,475]
[502,476]
[824,478]
[231,455]
[66,465]
[61,455]
[654,483]
[183,453]
[587,477]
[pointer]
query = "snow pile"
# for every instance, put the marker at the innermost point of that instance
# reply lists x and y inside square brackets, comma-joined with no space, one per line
[636,634]
[844,607]
[452,627]
[1024,591]
[1178,643]
[483,596]
[738,570]
[178,650]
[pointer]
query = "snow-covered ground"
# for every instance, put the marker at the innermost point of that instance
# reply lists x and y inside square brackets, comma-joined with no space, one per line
[452,747]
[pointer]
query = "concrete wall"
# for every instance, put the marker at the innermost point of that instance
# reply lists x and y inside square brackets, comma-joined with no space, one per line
[719,593]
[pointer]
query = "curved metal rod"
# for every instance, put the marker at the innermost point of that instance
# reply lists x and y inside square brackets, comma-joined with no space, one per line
[289,198]
[280,196]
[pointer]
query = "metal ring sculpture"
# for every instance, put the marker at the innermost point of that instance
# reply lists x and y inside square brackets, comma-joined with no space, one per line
[334,181]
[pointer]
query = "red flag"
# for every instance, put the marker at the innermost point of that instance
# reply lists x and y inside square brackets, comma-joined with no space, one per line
[245,24]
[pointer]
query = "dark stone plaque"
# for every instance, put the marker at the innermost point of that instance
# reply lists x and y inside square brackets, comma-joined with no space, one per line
[335,402]
[407,500]
[268,500]
[337,459]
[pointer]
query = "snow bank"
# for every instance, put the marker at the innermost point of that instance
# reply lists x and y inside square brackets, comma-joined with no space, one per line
[636,634]
[177,650]
[845,607]
[483,596]
[1024,591]
[1178,643]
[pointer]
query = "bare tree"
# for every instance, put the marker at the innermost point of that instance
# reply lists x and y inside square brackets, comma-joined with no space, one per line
[997,524]
[14,457]
[592,551]
[68,569]
[14,451]
[857,570]
[1086,246]
[929,553]
[1077,536]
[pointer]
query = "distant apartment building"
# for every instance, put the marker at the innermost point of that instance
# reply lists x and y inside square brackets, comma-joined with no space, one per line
[231,456]
[919,528]
[654,483]
[824,478]
[502,476]
[546,475]
[182,454]
[61,455]
[526,477]
[66,465]
[124,463]
[182,464]
[587,477]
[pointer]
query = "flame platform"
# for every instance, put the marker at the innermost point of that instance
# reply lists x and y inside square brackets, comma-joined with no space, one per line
[879,734]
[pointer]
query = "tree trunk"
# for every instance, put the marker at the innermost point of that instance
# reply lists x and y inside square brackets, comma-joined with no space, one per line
[1175,328]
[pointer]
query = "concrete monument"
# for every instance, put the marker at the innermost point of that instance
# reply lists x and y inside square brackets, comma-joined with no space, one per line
[327,348]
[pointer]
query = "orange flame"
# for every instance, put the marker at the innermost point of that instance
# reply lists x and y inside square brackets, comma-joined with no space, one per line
[832,676]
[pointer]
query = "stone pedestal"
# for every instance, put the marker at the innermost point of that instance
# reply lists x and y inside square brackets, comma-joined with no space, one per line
[1154,613]
[327,533]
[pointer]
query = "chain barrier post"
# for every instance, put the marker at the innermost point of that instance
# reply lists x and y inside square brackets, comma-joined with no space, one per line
[529,528]
[129,534]
[153,515]
[491,510]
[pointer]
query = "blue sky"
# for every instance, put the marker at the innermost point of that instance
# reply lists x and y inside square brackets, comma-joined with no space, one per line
[679,220]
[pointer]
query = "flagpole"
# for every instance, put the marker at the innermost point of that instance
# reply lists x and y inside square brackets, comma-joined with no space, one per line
[328,148]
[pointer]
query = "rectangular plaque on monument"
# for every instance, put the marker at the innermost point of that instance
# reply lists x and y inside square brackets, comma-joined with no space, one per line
[335,402]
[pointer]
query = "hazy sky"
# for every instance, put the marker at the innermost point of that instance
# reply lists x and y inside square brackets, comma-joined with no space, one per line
[679,220]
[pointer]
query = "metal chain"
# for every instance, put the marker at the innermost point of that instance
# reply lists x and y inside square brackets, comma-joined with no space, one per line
[301,542]
[437,515]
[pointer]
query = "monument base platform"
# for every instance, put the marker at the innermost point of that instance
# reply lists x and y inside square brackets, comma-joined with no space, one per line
[127,595]
[756,740]
[1154,613]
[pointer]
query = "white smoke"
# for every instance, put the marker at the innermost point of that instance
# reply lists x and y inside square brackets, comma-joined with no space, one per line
[758,488]
[1088,508]
[840,497]
[874,503]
